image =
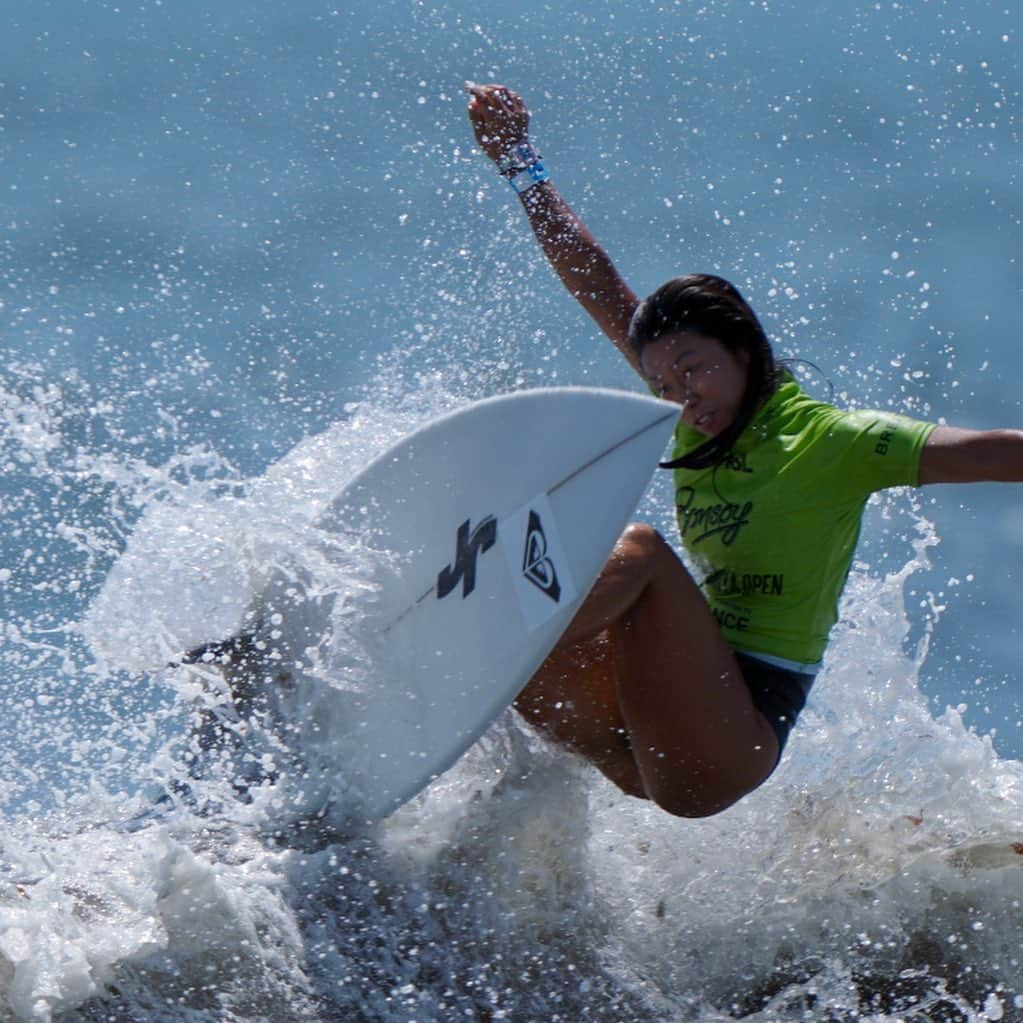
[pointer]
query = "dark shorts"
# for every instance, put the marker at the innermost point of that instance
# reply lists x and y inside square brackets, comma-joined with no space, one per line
[778,693]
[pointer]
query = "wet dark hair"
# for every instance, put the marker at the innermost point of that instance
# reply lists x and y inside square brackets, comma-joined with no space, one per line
[713,308]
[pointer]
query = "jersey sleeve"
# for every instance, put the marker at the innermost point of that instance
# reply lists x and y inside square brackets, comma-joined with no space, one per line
[875,450]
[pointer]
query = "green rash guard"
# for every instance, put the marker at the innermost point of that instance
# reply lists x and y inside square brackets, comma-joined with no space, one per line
[772,529]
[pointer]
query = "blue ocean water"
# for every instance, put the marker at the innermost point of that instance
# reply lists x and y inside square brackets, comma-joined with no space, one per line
[228,229]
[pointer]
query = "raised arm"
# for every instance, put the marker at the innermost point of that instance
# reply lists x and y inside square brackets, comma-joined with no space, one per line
[953,455]
[501,123]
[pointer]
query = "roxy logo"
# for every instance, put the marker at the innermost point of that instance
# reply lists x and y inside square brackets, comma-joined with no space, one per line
[468,547]
[537,566]
[726,519]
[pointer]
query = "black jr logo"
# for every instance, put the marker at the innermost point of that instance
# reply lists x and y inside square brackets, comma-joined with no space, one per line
[537,567]
[468,546]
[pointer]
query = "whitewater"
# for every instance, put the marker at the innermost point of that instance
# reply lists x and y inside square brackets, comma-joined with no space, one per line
[879,875]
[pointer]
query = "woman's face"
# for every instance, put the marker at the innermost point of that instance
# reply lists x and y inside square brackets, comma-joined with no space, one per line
[699,374]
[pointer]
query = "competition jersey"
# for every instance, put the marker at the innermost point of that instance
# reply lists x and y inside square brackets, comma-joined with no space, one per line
[771,530]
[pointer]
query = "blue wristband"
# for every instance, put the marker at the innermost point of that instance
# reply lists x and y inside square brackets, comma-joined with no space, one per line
[517,157]
[528,177]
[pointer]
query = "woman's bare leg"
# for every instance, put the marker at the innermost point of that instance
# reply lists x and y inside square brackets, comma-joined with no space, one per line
[696,739]
[573,699]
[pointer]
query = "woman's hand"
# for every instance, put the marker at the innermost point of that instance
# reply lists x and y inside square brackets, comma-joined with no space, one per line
[499,117]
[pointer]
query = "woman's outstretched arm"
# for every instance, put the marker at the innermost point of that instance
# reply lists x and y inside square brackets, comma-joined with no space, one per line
[501,123]
[953,455]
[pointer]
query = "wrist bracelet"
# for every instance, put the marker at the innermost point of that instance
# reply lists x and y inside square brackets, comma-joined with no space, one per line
[528,177]
[517,157]
[520,165]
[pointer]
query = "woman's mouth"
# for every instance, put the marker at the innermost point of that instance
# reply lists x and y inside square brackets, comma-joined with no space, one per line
[702,422]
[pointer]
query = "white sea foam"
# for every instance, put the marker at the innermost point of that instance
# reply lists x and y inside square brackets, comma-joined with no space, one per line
[198,556]
[877,875]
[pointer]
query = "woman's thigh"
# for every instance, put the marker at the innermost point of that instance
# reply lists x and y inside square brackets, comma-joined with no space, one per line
[699,742]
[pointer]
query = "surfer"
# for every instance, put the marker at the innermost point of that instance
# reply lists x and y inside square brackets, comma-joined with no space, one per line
[683,692]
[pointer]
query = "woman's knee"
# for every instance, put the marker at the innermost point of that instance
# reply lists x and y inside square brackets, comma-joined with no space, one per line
[641,540]
[704,800]
[641,552]
[712,784]
[698,807]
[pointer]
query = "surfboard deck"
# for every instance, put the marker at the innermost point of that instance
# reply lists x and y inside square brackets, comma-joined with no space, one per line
[485,529]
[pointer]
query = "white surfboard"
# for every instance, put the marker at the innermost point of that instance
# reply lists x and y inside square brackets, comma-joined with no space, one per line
[496,521]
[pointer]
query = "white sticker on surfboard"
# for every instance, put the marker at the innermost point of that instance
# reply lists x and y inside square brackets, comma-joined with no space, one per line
[537,562]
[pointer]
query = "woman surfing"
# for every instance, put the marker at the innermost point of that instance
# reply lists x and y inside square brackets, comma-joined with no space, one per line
[684,690]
